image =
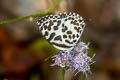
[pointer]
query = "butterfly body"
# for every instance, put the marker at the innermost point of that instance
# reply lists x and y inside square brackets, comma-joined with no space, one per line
[62,30]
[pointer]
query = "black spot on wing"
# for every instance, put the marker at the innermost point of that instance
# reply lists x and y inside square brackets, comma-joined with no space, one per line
[41,28]
[62,15]
[58,23]
[55,27]
[51,36]
[69,32]
[46,33]
[70,36]
[77,35]
[61,45]
[68,42]
[73,36]
[82,25]
[45,27]
[74,40]
[64,36]
[58,38]
[76,28]
[50,25]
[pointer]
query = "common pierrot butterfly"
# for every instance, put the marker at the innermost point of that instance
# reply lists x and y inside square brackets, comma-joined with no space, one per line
[62,30]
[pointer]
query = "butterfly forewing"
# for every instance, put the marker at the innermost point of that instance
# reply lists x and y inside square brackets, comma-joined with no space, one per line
[62,30]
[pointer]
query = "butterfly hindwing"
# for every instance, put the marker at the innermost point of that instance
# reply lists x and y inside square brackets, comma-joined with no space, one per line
[62,30]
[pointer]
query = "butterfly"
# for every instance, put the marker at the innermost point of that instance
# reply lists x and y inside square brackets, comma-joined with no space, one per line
[62,30]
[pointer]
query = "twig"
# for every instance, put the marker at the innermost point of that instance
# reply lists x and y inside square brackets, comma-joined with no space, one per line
[49,10]
[63,74]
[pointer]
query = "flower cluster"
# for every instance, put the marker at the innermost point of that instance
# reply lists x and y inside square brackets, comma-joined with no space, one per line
[75,60]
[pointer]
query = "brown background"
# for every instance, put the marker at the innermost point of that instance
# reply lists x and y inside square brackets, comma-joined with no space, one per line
[23,51]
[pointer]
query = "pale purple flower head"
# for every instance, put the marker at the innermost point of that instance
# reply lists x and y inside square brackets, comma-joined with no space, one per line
[81,47]
[63,60]
[81,62]
[76,60]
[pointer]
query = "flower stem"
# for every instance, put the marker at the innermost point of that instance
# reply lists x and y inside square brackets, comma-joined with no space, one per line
[49,10]
[63,74]
[83,76]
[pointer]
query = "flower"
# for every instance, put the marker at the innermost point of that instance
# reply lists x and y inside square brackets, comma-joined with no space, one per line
[75,60]
[63,60]
[81,47]
[81,62]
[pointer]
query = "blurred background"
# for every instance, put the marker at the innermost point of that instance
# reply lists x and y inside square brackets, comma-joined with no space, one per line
[25,54]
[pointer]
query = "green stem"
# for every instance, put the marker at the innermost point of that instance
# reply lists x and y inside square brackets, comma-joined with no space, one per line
[49,10]
[63,74]
[83,76]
